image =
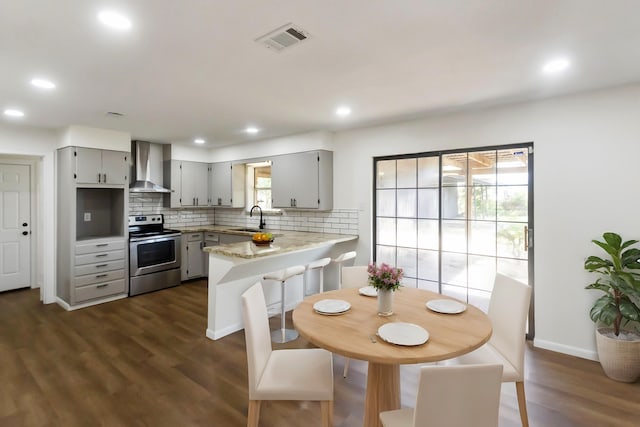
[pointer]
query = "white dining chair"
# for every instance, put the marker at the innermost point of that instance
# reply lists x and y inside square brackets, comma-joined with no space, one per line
[452,396]
[292,374]
[353,277]
[508,310]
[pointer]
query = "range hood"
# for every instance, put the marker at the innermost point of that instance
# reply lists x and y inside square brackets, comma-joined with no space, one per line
[147,168]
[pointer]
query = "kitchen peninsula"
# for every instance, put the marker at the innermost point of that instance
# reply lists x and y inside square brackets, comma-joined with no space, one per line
[235,267]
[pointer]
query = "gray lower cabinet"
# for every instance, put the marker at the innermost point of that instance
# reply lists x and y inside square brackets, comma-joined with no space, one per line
[100,269]
[192,256]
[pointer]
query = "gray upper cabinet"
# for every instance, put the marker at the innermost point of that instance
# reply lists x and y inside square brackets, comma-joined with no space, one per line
[226,184]
[189,183]
[303,180]
[107,167]
[194,185]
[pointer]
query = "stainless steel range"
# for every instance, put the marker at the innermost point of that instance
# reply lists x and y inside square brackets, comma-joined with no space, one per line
[154,254]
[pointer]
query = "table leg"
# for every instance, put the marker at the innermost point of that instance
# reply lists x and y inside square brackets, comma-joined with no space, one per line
[383,392]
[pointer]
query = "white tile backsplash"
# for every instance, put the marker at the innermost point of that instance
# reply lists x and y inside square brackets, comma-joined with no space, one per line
[337,221]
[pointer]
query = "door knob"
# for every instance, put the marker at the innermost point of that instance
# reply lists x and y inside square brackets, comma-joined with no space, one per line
[24,233]
[24,224]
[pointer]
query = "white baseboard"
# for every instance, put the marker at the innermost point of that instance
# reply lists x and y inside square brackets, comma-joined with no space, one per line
[217,334]
[566,349]
[68,307]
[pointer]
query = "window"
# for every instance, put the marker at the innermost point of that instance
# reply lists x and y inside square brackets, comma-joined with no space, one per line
[262,187]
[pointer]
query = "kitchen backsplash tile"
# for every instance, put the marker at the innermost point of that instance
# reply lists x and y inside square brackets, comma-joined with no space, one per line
[337,221]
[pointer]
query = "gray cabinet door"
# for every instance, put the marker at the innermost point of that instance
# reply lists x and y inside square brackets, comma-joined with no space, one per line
[88,166]
[195,264]
[194,185]
[294,180]
[220,184]
[94,166]
[114,167]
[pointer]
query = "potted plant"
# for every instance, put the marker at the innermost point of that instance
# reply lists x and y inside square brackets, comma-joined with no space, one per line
[386,280]
[619,279]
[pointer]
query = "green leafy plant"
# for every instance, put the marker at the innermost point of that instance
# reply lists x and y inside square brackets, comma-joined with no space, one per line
[619,280]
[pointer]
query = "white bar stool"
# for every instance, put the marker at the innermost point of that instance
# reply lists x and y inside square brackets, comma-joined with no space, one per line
[284,335]
[341,259]
[318,265]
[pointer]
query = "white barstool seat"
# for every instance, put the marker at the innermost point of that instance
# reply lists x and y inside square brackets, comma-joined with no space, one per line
[318,265]
[340,260]
[283,335]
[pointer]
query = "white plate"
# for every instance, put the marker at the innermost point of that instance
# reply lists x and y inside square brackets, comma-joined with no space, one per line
[401,333]
[368,291]
[446,306]
[331,306]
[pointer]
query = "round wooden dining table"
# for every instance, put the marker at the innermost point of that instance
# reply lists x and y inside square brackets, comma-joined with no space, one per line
[353,334]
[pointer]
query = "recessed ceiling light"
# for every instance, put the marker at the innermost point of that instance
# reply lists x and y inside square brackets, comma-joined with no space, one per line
[252,130]
[114,20]
[556,66]
[43,83]
[13,113]
[343,111]
[199,141]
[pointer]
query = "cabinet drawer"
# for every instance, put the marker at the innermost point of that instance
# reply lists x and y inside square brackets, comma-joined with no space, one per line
[90,248]
[99,267]
[100,290]
[98,258]
[194,237]
[107,276]
[212,237]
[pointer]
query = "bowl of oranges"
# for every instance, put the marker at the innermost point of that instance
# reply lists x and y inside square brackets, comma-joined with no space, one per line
[262,239]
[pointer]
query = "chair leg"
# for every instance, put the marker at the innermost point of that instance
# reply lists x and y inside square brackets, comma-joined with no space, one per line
[522,403]
[254,413]
[346,367]
[326,407]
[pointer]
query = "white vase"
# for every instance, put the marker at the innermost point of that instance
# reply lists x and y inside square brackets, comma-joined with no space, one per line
[385,302]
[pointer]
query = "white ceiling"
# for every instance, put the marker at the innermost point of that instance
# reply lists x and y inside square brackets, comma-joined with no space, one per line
[191,68]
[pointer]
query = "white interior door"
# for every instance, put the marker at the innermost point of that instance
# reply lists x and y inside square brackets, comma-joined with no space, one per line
[15,227]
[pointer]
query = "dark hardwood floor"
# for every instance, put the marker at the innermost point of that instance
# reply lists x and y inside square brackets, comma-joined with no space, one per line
[145,361]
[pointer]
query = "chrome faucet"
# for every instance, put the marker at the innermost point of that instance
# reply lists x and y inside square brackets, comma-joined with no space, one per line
[262,224]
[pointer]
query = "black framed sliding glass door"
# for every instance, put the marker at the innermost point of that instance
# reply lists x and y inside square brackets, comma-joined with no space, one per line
[453,219]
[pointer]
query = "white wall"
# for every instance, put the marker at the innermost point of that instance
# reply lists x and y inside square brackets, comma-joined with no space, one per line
[38,145]
[586,173]
[106,139]
[271,147]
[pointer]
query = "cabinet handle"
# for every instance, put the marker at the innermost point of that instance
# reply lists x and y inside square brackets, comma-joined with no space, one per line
[194,201]
[101,275]
[101,265]
[105,178]
[102,286]
[99,178]
[197,201]
[99,245]
[101,255]
[24,233]
[24,224]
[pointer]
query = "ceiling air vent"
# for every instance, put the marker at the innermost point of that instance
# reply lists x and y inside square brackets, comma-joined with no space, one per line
[283,37]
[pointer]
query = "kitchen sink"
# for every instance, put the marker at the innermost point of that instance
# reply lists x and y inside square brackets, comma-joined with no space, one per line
[248,229]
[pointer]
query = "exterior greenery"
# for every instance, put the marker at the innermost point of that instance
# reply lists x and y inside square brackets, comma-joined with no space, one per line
[619,280]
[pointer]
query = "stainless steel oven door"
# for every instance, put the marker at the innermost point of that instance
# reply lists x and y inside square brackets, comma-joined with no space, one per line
[155,254]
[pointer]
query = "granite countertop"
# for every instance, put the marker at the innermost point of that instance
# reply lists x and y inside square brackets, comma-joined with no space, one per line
[288,241]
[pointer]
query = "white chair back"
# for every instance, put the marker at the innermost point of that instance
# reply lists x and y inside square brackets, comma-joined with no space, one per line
[257,336]
[508,311]
[355,276]
[458,396]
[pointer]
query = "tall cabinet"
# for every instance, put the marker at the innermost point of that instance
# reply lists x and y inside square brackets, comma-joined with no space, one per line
[92,208]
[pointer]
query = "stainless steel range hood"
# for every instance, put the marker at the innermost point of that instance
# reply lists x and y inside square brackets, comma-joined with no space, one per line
[147,168]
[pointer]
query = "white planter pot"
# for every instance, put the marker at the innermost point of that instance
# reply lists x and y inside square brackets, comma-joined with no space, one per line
[620,359]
